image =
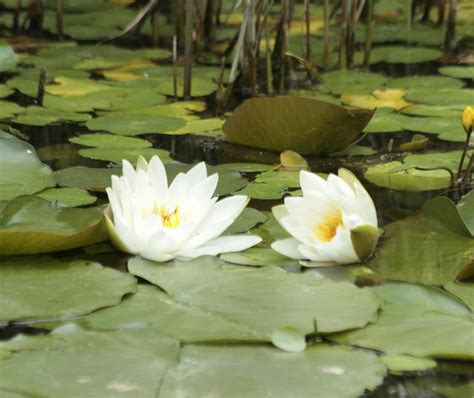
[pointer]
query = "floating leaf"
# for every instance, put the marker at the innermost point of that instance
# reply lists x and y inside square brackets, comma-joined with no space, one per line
[29,225]
[389,98]
[248,219]
[431,82]
[21,172]
[110,141]
[203,126]
[319,372]
[67,87]
[293,161]
[38,116]
[419,321]
[449,129]
[9,109]
[118,154]
[41,287]
[404,55]
[417,172]
[134,124]
[406,363]
[433,247]
[383,122]
[259,257]
[69,197]
[75,363]
[431,110]
[152,308]
[255,190]
[94,179]
[8,58]
[456,98]
[5,91]
[236,293]
[463,291]
[458,71]
[351,82]
[417,143]
[301,124]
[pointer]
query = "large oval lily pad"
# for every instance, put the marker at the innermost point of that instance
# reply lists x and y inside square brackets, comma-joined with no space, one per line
[420,321]
[75,363]
[21,172]
[41,287]
[29,225]
[320,372]
[262,300]
[302,124]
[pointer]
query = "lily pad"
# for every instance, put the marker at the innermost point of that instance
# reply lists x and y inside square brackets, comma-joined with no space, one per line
[419,321]
[118,154]
[89,178]
[302,124]
[5,91]
[39,116]
[110,141]
[389,98]
[248,219]
[319,372]
[417,172]
[449,129]
[251,297]
[21,172]
[463,291]
[404,55]
[432,111]
[134,124]
[8,58]
[204,126]
[152,308]
[456,98]
[383,122]
[407,363]
[458,71]
[263,191]
[69,197]
[431,82]
[259,257]
[67,87]
[433,247]
[128,363]
[351,82]
[36,288]
[9,109]
[29,225]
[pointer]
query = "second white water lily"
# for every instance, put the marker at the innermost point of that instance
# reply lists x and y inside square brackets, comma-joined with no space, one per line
[183,220]
[334,222]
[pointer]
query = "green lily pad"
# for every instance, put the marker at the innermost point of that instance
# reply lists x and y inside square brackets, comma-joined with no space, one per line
[301,124]
[89,178]
[407,363]
[29,225]
[383,122]
[134,124]
[75,363]
[319,372]
[463,291]
[259,257]
[449,129]
[5,91]
[26,86]
[288,178]
[419,321]
[248,219]
[417,143]
[110,141]
[8,58]
[69,197]
[431,110]
[35,288]
[431,82]
[118,154]
[235,293]
[465,206]
[246,167]
[456,98]
[203,126]
[433,247]
[404,55]
[458,71]
[9,109]
[38,116]
[152,308]
[351,82]
[264,191]
[417,172]
[21,172]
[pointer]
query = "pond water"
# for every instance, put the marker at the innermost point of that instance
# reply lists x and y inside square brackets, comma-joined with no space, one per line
[80,317]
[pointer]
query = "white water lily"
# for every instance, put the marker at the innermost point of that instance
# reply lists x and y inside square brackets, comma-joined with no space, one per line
[161,222]
[333,222]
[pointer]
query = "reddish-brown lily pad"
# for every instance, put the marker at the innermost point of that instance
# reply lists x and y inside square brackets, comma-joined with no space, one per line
[301,124]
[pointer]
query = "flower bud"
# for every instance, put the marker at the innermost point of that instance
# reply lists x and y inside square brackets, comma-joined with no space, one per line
[468,119]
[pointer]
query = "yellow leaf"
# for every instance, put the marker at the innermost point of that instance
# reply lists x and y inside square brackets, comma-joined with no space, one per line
[67,87]
[390,98]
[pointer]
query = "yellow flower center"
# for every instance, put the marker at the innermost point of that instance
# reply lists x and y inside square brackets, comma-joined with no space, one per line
[170,218]
[326,230]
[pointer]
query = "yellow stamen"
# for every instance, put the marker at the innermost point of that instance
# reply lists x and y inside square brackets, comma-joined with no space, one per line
[170,219]
[326,230]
